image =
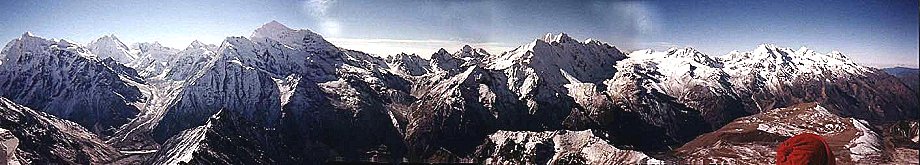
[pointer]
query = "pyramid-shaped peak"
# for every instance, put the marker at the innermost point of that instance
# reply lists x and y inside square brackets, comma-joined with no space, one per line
[299,38]
[274,25]
[66,43]
[29,36]
[442,51]
[108,38]
[272,30]
[196,44]
[467,48]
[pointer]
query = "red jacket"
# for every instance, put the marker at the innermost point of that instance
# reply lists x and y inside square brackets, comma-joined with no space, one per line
[805,148]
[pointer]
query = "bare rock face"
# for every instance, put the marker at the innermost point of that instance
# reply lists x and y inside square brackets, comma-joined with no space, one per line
[8,144]
[453,116]
[45,139]
[753,139]
[908,76]
[902,139]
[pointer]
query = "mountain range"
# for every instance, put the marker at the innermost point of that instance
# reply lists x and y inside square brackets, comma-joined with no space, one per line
[288,96]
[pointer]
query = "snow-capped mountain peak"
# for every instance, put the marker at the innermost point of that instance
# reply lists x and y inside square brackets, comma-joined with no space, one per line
[274,26]
[770,54]
[37,46]
[409,64]
[298,39]
[466,48]
[441,51]
[696,55]
[62,78]
[272,30]
[470,53]
[196,44]
[560,38]
[66,43]
[109,46]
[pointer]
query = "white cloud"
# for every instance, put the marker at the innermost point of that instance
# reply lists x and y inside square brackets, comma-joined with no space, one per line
[641,14]
[660,45]
[331,27]
[424,48]
[317,7]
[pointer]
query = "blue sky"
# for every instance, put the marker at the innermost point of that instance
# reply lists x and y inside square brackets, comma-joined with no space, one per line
[883,33]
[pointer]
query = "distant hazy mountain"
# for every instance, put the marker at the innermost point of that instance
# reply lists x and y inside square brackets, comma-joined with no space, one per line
[909,76]
[288,96]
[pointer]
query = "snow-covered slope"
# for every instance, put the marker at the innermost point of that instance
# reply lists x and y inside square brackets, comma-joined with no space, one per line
[646,100]
[188,62]
[453,63]
[226,83]
[555,147]
[537,70]
[459,103]
[66,80]
[774,77]
[324,92]
[452,116]
[685,74]
[408,64]
[319,102]
[776,64]
[45,139]
[165,72]
[162,91]
[225,138]
[659,99]
[153,58]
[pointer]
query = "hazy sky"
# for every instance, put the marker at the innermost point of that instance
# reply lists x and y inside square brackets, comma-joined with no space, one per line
[881,33]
